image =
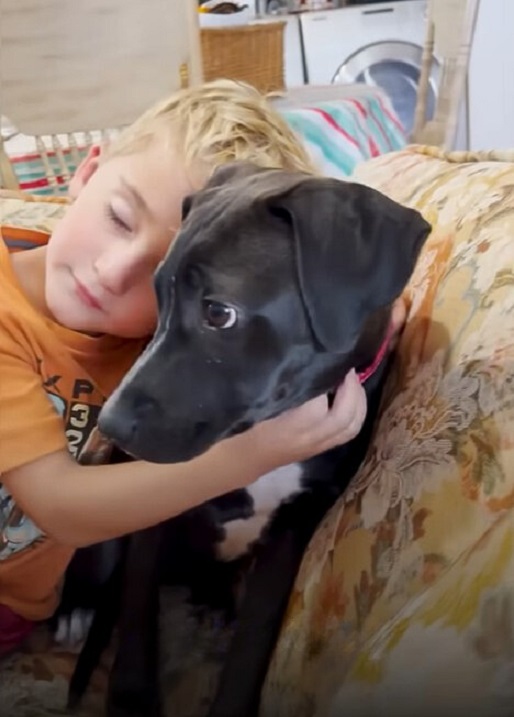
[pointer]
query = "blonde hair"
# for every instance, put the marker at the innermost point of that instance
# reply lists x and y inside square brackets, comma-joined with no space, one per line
[215,123]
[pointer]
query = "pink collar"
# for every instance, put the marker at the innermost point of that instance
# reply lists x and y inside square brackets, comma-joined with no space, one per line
[370,370]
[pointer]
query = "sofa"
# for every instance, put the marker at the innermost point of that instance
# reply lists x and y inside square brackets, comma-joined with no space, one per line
[404,603]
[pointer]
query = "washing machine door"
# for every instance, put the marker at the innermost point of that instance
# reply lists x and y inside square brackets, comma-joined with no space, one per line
[395,67]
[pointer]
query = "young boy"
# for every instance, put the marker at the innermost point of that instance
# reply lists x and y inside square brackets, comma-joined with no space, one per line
[75,313]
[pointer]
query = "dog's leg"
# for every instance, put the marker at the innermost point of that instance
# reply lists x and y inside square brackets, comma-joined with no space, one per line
[134,680]
[99,636]
[266,596]
[277,562]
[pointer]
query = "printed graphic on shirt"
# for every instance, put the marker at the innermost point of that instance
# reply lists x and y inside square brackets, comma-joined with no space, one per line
[80,414]
[16,530]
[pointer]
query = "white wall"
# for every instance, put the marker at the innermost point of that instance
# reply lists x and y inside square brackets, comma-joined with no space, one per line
[491,77]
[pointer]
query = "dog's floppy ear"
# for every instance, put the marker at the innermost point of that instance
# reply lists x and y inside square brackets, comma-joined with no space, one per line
[235,171]
[225,174]
[355,252]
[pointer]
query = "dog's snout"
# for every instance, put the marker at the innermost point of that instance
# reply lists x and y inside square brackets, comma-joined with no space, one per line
[241,427]
[146,407]
[118,427]
[124,417]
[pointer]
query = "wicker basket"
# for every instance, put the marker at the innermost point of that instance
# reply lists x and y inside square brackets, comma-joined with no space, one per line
[251,53]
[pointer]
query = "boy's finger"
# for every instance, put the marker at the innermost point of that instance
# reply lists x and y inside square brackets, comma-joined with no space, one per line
[349,408]
[348,393]
[398,318]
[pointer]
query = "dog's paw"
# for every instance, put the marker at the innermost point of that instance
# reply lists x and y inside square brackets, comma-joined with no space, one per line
[133,689]
[129,711]
[133,702]
[72,629]
[219,710]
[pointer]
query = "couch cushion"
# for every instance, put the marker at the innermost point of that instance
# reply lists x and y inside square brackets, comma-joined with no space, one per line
[404,603]
[19,210]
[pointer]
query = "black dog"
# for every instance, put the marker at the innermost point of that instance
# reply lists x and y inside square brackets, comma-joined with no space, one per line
[277,286]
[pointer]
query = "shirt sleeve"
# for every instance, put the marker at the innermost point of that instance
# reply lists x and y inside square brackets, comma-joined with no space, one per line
[30,427]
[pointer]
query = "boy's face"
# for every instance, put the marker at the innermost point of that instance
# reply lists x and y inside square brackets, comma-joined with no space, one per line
[103,254]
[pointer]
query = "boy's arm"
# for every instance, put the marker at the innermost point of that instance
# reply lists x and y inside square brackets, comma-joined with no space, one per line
[80,505]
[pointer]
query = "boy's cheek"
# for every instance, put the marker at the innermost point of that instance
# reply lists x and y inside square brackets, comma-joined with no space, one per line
[140,315]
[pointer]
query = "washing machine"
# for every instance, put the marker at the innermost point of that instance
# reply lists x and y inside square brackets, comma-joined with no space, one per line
[377,43]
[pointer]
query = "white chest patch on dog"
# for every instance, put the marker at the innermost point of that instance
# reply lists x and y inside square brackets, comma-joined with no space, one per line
[267,493]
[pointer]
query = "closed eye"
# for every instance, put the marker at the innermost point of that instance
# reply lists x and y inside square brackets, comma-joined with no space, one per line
[117,220]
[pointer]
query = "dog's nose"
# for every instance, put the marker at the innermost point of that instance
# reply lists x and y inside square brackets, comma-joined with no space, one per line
[118,426]
[128,418]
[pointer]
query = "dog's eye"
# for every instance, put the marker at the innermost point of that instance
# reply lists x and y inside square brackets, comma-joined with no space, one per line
[217,315]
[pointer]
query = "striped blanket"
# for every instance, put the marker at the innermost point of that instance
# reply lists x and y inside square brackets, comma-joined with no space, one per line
[340,127]
[341,133]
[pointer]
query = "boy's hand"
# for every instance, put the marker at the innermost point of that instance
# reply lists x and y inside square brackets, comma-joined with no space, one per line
[398,318]
[304,432]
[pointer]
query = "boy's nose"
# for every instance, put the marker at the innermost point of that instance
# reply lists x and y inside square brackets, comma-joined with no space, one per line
[118,271]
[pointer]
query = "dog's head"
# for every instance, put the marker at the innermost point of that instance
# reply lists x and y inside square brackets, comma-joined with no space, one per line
[276,286]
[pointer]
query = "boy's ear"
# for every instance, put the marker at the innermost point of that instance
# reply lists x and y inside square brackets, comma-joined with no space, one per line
[84,172]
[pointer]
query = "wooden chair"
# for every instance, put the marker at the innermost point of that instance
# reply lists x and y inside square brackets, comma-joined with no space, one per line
[69,68]
[450,28]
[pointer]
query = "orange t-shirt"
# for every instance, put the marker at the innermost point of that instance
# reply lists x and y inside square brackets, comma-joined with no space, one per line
[53,382]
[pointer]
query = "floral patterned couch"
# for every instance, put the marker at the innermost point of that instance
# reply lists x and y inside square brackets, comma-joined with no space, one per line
[404,604]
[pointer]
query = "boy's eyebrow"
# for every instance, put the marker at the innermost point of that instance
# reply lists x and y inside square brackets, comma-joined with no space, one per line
[137,196]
